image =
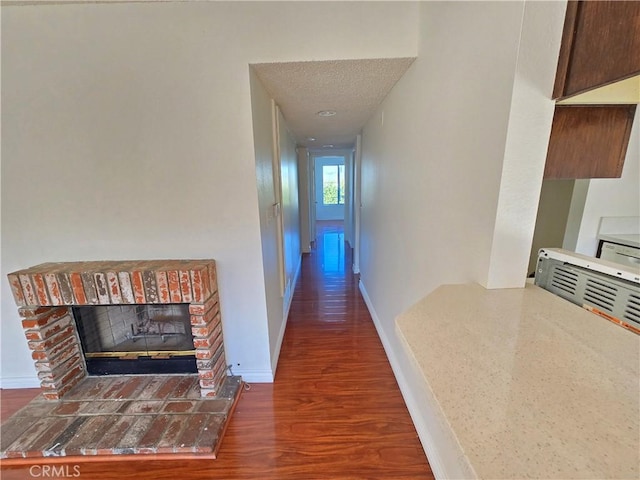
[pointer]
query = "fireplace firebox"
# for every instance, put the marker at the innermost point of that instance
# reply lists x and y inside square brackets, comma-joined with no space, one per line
[117,317]
[136,339]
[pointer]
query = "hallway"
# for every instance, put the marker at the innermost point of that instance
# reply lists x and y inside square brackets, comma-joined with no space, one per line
[334,411]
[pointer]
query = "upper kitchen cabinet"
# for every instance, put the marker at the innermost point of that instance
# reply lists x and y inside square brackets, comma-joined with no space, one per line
[600,46]
[588,141]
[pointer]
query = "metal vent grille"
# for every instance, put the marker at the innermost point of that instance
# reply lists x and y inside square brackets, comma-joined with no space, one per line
[632,309]
[616,297]
[564,279]
[600,294]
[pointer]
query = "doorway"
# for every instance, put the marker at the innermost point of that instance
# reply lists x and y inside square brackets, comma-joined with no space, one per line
[333,193]
[330,188]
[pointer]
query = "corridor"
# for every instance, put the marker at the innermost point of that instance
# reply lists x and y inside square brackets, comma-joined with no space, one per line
[334,412]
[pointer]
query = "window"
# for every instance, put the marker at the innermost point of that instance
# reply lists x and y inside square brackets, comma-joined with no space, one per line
[333,184]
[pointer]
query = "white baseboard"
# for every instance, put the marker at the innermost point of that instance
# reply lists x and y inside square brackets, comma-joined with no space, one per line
[254,376]
[436,441]
[19,382]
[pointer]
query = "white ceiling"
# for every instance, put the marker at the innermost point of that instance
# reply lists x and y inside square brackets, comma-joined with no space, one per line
[352,88]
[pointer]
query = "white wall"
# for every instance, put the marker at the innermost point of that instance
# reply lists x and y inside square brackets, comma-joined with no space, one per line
[447,154]
[612,197]
[127,133]
[261,105]
[530,120]
[267,122]
[551,220]
[432,156]
[290,214]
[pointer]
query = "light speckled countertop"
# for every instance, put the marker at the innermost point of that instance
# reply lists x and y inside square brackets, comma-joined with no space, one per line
[531,385]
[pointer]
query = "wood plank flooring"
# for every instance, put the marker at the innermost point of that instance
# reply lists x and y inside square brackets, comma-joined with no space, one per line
[334,411]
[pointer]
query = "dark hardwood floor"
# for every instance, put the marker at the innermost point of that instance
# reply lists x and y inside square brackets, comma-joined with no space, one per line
[334,411]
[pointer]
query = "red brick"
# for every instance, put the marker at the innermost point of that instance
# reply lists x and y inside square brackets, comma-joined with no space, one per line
[218,389]
[48,330]
[42,316]
[61,371]
[197,286]
[167,387]
[169,438]
[203,354]
[207,374]
[150,286]
[185,286]
[102,288]
[205,364]
[51,363]
[206,282]
[78,288]
[209,384]
[32,311]
[30,433]
[173,278]
[194,425]
[206,330]
[209,436]
[179,406]
[220,365]
[28,290]
[40,287]
[63,384]
[203,320]
[53,395]
[16,289]
[54,340]
[202,308]
[89,288]
[183,387]
[135,433]
[163,287]
[217,362]
[213,277]
[65,288]
[44,355]
[114,288]
[53,286]
[111,437]
[154,433]
[138,287]
[212,339]
[93,427]
[125,287]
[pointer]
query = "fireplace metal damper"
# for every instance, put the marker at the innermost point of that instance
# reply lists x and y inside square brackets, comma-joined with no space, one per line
[159,313]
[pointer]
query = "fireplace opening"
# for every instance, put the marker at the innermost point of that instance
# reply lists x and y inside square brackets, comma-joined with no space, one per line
[136,339]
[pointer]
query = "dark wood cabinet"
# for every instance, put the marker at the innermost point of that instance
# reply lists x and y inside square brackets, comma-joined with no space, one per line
[588,141]
[600,45]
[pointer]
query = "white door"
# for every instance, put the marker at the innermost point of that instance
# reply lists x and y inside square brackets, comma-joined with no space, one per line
[330,187]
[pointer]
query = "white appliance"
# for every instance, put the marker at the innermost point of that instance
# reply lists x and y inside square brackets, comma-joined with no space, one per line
[622,254]
[609,289]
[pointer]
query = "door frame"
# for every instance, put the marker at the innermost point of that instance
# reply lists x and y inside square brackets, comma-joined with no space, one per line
[344,157]
[352,158]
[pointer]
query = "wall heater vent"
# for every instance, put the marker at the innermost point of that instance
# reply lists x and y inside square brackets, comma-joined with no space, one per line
[591,283]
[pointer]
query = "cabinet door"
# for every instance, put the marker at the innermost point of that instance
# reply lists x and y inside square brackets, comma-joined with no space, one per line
[600,45]
[588,141]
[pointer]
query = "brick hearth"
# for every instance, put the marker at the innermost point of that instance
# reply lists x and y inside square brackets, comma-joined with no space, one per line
[45,294]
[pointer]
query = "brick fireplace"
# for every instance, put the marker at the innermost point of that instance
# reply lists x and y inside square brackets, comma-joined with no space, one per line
[46,294]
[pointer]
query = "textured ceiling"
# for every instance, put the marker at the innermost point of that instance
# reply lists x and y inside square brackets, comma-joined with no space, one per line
[352,88]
